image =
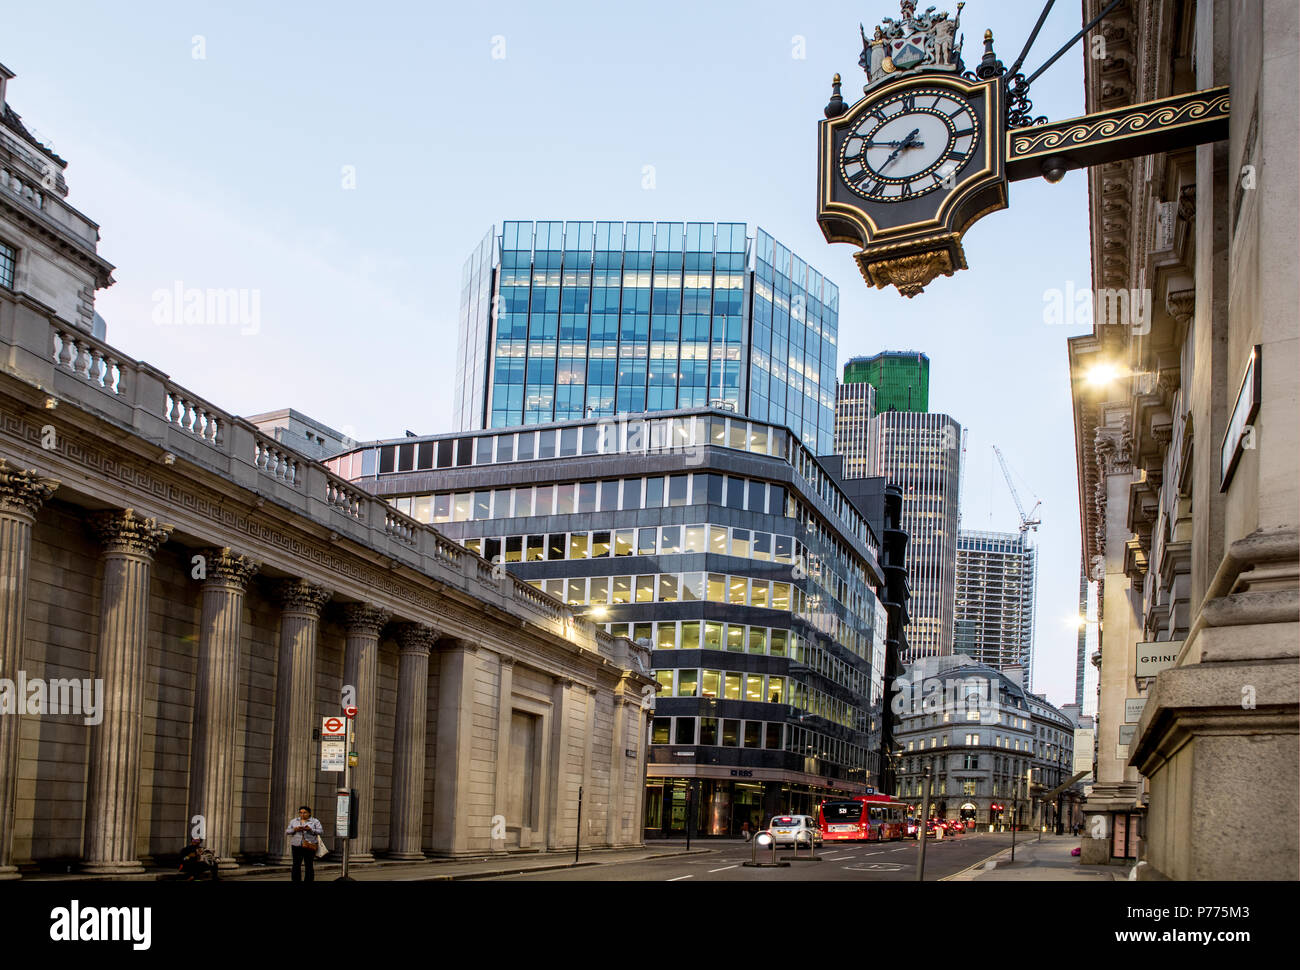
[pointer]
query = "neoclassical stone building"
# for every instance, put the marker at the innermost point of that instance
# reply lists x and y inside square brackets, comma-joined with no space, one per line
[219,591]
[1188,441]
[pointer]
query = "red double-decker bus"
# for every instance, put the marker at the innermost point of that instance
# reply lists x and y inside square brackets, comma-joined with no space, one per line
[862,818]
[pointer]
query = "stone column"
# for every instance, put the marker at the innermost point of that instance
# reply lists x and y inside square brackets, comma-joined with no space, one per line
[405,830]
[216,701]
[113,794]
[22,493]
[360,666]
[505,712]
[617,760]
[293,778]
[590,809]
[457,665]
[557,827]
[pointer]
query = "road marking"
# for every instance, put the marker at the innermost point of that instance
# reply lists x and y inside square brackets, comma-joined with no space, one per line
[873,853]
[876,867]
[838,858]
[679,878]
[723,869]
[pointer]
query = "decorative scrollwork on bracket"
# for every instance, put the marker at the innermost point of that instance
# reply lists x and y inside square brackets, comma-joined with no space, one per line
[1019,107]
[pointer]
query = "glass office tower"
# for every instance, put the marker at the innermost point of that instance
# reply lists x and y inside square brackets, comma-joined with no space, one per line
[565,321]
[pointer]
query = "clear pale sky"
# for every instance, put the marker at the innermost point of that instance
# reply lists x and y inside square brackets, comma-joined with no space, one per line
[227,171]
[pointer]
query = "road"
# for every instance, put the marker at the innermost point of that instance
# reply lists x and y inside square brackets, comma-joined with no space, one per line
[842,862]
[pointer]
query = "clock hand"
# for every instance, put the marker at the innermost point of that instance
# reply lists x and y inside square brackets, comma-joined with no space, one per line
[908,142]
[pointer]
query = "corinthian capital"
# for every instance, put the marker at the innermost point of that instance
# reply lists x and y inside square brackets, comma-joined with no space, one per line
[300,596]
[364,619]
[23,491]
[122,531]
[228,568]
[416,637]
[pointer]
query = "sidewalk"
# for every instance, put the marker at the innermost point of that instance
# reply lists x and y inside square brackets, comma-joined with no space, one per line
[432,870]
[1045,861]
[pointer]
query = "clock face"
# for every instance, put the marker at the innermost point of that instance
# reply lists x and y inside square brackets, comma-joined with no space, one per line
[909,144]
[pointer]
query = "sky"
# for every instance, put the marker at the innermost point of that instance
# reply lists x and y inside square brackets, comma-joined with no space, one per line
[338,163]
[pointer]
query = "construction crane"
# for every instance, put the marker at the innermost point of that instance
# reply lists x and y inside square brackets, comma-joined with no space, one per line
[1027,522]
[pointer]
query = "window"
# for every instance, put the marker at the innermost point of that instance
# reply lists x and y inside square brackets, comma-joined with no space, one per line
[690,635]
[665,636]
[645,589]
[775,689]
[625,542]
[661,730]
[677,488]
[685,733]
[730,733]
[8,259]
[708,731]
[688,683]
[712,636]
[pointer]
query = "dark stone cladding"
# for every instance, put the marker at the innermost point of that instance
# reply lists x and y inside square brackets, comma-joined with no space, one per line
[667,754]
[596,467]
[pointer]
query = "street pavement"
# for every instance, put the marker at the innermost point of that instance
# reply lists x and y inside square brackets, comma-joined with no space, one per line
[1048,860]
[970,857]
[724,861]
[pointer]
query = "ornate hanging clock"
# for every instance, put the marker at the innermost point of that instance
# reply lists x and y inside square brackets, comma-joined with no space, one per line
[930,148]
[907,170]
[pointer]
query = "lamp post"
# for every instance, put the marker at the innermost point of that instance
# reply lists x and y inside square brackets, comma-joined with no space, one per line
[924,817]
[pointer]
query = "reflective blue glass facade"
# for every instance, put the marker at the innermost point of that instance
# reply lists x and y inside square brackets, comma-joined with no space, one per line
[604,318]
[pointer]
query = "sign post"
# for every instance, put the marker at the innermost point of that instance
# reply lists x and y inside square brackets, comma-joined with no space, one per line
[337,734]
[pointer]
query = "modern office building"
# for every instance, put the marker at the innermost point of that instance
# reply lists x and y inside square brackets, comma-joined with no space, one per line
[922,454]
[563,321]
[997,583]
[997,754]
[725,545]
[855,406]
[901,379]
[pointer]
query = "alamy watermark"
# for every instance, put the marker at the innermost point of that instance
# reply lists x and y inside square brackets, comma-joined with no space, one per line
[951,695]
[624,435]
[1083,307]
[194,306]
[36,696]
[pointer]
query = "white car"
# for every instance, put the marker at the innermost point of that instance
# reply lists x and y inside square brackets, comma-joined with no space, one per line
[794,830]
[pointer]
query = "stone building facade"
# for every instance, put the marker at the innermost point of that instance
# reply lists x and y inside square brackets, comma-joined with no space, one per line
[194,597]
[1187,438]
[998,754]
